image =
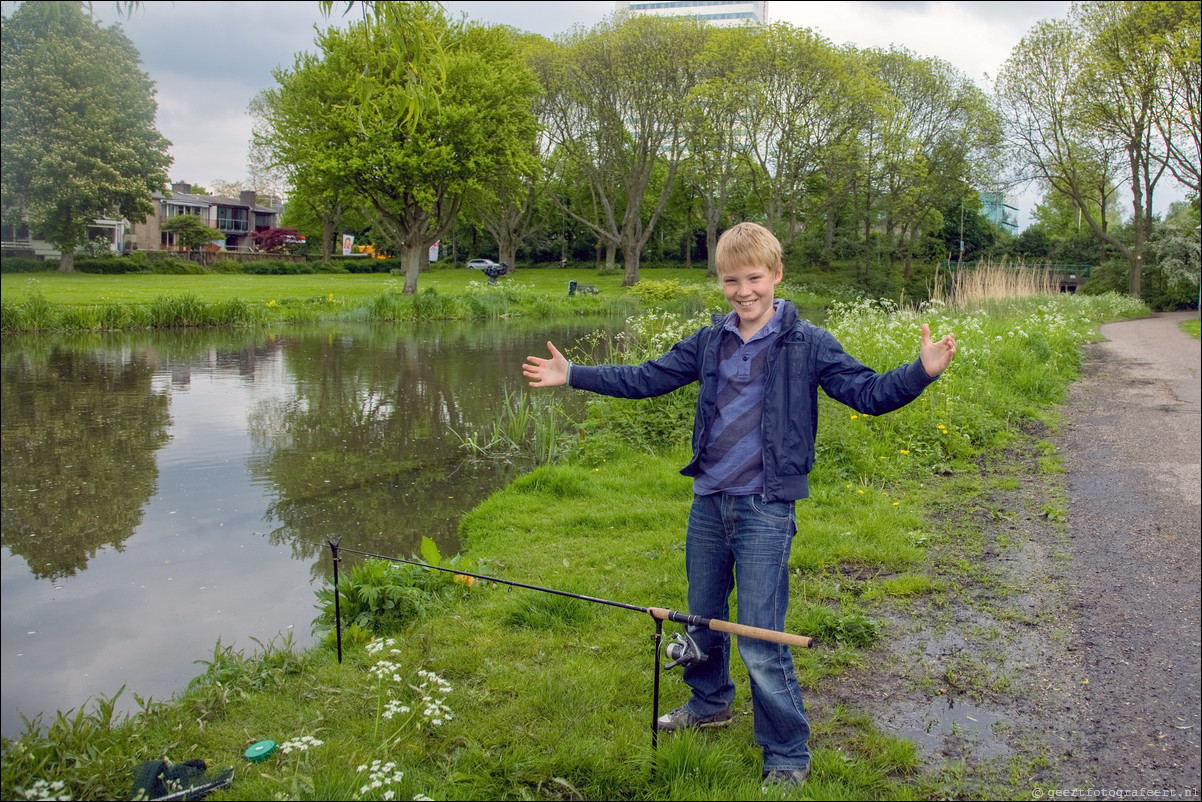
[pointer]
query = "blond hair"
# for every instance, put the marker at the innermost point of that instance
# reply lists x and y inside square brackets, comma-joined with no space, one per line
[748,244]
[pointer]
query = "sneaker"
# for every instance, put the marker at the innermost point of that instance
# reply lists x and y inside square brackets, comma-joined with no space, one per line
[682,719]
[786,776]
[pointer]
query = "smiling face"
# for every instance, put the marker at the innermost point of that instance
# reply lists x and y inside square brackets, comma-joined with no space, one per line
[750,289]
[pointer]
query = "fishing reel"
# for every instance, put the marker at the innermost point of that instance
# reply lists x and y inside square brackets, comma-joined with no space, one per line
[682,651]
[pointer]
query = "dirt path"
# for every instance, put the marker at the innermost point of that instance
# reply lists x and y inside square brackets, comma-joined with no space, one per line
[1131,450]
[1064,653]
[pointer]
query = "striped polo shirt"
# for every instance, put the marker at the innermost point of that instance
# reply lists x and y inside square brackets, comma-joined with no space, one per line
[732,456]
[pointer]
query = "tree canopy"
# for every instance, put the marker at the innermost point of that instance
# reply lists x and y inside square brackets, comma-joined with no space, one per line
[411,179]
[1108,96]
[78,134]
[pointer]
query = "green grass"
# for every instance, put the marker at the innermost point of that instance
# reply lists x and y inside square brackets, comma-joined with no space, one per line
[89,288]
[551,697]
[92,302]
[1193,328]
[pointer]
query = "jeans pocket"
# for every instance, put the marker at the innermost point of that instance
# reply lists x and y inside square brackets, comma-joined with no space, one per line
[774,510]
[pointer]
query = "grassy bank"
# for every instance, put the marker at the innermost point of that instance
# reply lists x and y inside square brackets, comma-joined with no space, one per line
[93,302]
[536,696]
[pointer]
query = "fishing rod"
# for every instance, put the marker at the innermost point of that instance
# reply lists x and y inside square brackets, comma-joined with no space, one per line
[682,649]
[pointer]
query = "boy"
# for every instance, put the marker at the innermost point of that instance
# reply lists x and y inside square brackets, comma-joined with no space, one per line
[759,368]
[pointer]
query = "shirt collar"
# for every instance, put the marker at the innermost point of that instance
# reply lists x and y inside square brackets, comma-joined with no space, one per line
[731,323]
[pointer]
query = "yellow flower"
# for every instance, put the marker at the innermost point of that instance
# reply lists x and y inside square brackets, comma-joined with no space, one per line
[331,298]
[853,417]
[896,503]
[861,490]
[271,302]
[904,451]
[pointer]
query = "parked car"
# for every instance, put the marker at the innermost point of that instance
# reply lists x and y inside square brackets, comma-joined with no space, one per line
[491,269]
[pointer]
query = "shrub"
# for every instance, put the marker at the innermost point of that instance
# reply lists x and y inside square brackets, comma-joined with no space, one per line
[360,264]
[176,266]
[276,268]
[111,265]
[20,264]
[226,266]
[382,596]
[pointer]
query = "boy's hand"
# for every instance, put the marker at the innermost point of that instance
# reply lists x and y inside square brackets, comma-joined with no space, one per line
[936,356]
[546,372]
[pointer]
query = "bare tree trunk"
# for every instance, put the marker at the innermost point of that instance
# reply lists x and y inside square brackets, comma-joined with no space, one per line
[411,261]
[711,248]
[66,261]
[630,260]
[1135,276]
[828,241]
[611,259]
[328,229]
[508,251]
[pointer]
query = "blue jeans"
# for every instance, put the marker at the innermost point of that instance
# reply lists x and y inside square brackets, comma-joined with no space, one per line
[744,541]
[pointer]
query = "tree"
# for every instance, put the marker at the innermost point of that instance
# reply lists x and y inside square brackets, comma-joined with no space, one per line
[413,179]
[1176,254]
[716,141]
[191,232]
[796,110]
[78,135]
[277,240]
[289,142]
[1089,95]
[508,205]
[1179,118]
[411,62]
[941,137]
[616,99]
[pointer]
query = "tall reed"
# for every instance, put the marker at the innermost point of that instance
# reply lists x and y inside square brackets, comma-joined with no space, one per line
[529,426]
[970,288]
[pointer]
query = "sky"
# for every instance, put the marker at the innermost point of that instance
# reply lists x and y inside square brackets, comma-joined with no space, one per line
[208,58]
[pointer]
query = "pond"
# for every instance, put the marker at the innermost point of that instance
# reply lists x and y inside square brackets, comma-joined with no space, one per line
[163,491]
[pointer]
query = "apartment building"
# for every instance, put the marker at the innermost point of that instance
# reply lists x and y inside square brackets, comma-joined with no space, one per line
[732,12]
[236,218]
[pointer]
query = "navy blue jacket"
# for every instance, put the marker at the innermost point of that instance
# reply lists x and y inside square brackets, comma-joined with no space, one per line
[801,359]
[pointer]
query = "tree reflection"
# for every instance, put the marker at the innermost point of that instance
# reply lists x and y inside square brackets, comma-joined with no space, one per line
[365,449]
[80,428]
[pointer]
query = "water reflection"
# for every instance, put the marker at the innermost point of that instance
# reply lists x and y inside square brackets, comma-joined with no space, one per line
[79,431]
[161,491]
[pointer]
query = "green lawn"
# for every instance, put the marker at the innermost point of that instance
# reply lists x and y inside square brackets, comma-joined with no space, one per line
[90,288]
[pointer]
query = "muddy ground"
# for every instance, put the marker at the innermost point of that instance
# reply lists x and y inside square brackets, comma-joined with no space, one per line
[1063,653]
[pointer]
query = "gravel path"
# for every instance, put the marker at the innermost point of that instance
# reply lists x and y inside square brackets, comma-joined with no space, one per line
[1131,450]
[1067,663]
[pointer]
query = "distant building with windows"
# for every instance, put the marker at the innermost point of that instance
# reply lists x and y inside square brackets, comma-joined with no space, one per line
[733,12]
[995,209]
[236,218]
[16,239]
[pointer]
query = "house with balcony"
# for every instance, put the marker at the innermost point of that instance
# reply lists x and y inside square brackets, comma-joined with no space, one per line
[17,240]
[236,218]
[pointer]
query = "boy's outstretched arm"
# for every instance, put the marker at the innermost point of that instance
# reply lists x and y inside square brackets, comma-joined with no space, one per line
[551,372]
[936,356]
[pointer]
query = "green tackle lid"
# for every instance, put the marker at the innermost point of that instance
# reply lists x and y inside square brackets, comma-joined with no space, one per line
[259,752]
